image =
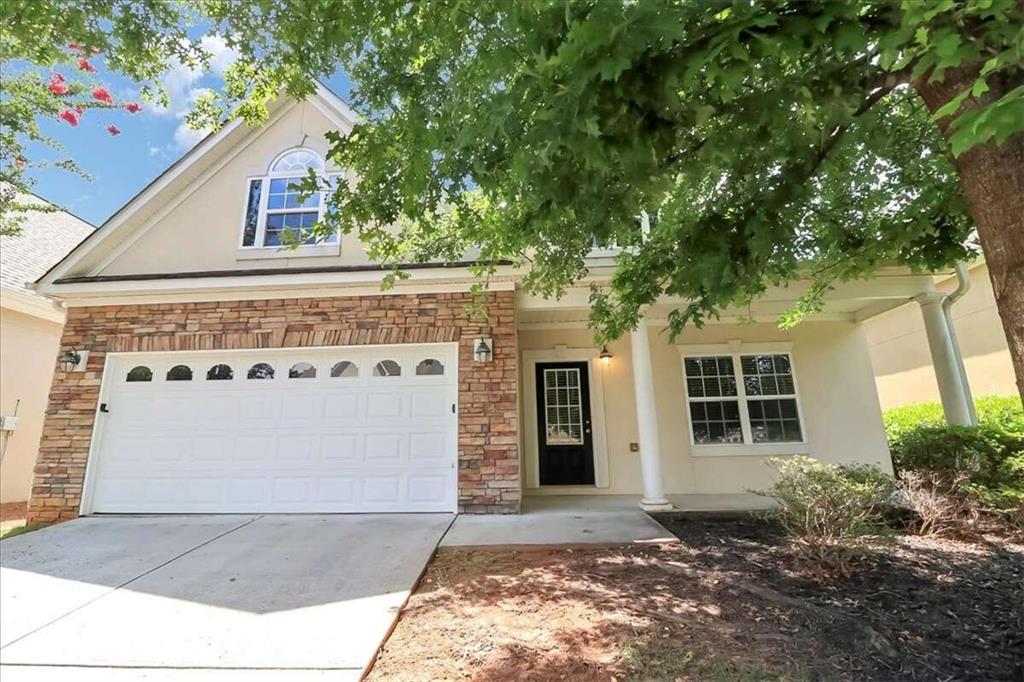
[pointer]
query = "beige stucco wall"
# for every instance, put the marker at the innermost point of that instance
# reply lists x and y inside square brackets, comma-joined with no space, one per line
[203,231]
[899,348]
[28,349]
[837,396]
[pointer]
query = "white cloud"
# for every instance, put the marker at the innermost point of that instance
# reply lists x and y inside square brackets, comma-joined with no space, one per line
[186,138]
[182,84]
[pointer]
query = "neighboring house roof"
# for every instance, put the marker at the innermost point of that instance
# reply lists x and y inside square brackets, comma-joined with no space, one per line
[45,238]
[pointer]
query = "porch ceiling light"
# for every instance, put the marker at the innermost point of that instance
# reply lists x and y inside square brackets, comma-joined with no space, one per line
[605,355]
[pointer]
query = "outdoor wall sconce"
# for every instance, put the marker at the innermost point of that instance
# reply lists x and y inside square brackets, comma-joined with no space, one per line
[71,360]
[605,355]
[483,350]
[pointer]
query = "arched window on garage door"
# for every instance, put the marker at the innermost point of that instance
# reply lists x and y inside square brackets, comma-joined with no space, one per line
[261,370]
[140,373]
[179,373]
[220,373]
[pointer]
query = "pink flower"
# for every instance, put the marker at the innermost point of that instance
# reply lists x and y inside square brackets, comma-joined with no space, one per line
[69,115]
[20,162]
[56,85]
[113,129]
[132,107]
[101,95]
[79,109]
[75,46]
[85,65]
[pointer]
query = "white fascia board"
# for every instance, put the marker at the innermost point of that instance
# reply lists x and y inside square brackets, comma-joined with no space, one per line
[336,103]
[305,285]
[112,226]
[197,181]
[27,304]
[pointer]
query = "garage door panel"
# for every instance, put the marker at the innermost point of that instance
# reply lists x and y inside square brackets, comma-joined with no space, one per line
[212,448]
[340,448]
[338,491]
[352,442]
[428,447]
[258,407]
[292,447]
[378,490]
[293,490]
[430,405]
[339,407]
[384,405]
[426,488]
[383,447]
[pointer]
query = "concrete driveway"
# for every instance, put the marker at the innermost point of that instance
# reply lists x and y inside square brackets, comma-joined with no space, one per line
[207,597]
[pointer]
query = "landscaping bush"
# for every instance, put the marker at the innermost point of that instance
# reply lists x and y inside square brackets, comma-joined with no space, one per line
[988,457]
[1002,412]
[827,507]
[940,505]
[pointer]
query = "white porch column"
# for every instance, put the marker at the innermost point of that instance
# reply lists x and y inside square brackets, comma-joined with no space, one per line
[947,373]
[647,422]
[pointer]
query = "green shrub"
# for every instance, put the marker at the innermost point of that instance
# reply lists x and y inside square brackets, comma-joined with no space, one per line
[1005,412]
[990,455]
[825,506]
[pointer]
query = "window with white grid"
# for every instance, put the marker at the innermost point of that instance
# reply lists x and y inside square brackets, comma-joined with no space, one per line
[563,407]
[742,398]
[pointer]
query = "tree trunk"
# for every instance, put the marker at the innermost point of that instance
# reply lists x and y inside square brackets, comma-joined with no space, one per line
[993,182]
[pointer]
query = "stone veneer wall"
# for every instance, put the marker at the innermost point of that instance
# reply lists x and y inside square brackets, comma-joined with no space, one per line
[489,480]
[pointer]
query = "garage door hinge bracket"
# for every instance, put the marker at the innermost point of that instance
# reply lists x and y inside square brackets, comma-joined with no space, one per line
[453,408]
[103,407]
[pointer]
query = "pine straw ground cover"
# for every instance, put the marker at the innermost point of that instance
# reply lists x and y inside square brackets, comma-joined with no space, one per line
[731,601]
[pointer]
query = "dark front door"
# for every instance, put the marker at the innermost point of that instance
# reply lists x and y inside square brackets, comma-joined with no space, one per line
[564,442]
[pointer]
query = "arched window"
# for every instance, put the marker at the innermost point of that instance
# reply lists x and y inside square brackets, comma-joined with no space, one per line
[276,214]
[140,373]
[179,373]
[430,366]
[261,370]
[344,370]
[297,161]
[387,368]
[220,373]
[302,370]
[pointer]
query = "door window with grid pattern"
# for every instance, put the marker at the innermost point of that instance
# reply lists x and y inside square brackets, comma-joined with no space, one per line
[563,407]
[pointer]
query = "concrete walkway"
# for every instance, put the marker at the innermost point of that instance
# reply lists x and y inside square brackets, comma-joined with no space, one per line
[202,598]
[565,520]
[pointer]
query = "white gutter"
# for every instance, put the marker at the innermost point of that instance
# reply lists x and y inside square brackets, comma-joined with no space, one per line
[963,286]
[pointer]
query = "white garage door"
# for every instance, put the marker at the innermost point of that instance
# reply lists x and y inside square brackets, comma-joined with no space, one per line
[367,429]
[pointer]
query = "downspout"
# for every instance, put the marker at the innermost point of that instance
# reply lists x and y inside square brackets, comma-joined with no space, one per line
[962,287]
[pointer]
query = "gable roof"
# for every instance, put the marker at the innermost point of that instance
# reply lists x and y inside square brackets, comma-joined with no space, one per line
[132,215]
[45,239]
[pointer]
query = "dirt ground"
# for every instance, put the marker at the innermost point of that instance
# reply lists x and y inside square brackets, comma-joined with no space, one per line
[13,511]
[731,601]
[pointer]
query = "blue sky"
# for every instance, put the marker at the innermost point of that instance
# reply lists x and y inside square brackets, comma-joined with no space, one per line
[149,142]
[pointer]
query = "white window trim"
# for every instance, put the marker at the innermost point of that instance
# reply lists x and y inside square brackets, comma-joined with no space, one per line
[258,250]
[748,448]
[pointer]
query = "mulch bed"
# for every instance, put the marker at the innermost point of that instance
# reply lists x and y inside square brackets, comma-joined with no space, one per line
[733,600]
[940,609]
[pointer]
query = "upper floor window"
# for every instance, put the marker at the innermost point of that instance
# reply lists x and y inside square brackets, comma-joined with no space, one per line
[274,207]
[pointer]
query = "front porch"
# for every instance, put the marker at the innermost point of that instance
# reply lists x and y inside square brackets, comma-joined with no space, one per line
[689,423]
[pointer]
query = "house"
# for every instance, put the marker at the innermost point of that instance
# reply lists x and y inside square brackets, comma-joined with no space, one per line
[899,346]
[30,330]
[224,374]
